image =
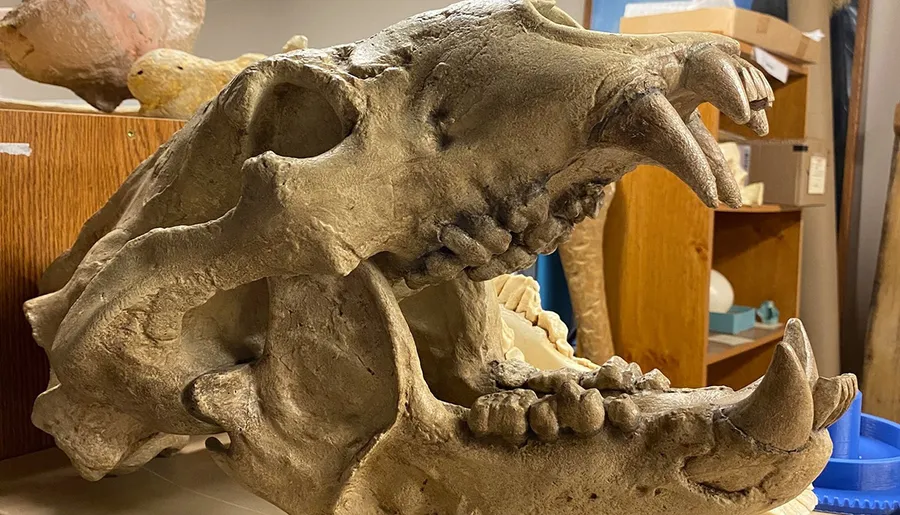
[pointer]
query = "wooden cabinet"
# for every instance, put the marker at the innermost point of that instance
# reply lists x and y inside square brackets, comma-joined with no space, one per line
[73,163]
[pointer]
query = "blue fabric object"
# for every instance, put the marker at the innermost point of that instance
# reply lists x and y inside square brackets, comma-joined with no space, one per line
[555,289]
[863,474]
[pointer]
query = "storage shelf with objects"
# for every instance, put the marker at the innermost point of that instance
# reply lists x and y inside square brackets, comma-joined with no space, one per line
[662,242]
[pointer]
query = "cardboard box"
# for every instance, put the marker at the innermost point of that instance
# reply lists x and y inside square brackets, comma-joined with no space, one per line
[767,32]
[794,172]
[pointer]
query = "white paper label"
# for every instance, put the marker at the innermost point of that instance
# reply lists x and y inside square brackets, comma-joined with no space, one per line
[815,35]
[728,339]
[818,167]
[774,66]
[15,149]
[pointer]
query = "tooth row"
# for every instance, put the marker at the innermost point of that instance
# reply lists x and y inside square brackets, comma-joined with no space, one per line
[618,375]
[485,249]
[516,415]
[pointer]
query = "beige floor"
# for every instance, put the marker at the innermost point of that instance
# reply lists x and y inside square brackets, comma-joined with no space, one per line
[186,484]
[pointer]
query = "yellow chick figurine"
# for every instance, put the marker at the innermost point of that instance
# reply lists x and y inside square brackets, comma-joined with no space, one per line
[174,84]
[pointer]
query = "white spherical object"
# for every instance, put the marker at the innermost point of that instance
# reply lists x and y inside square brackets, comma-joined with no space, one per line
[721,294]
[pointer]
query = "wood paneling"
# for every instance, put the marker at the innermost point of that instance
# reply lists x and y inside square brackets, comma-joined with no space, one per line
[76,163]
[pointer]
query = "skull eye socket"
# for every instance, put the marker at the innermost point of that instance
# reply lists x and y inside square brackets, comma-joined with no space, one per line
[295,121]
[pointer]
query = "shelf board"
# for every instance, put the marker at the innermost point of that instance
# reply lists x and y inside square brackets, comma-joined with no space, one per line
[765,208]
[759,336]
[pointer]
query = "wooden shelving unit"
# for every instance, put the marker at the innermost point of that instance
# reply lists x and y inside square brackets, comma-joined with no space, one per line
[76,162]
[661,243]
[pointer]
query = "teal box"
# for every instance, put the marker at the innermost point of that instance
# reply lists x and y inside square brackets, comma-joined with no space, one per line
[738,318]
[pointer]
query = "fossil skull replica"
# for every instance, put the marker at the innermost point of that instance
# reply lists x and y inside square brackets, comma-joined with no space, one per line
[306,267]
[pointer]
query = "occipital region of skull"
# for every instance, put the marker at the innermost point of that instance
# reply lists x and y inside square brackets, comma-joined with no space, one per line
[305,266]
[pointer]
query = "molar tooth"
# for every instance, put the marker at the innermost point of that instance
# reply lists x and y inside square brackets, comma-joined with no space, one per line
[464,246]
[610,376]
[624,413]
[542,419]
[502,414]
[578,409]
[511,373]
[443,265]
[759,123]
[539,238]
[550,381]
[494,238]
[514,259]
[653,380]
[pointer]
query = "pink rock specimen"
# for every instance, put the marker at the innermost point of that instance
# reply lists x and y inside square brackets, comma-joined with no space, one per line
[88,46]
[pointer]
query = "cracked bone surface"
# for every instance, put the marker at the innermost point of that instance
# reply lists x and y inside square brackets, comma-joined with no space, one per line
[306,266]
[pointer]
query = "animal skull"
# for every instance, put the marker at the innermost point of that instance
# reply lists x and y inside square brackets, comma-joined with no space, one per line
[303,266]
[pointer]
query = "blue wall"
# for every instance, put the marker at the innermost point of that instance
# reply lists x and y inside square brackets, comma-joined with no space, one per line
[605,14]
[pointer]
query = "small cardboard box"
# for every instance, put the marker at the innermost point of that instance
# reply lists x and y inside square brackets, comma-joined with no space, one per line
[767,32]
[794,172]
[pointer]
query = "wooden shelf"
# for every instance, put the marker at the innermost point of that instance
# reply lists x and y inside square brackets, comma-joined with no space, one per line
[765,208]
[717,352]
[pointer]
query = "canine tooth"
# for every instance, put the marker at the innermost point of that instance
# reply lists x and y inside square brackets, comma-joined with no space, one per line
[512,373]
[542,419]
[502,414]
[717,80]
[464,246]
[726,186]
[494,238]
[653,380]
[550,381]
[579,410]
[650,126]
[624,413]
[795,337]
[443,265]
[780,411]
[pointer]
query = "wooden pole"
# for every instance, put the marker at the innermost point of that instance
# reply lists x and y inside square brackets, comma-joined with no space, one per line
[846,283]
[880,385]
